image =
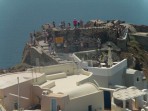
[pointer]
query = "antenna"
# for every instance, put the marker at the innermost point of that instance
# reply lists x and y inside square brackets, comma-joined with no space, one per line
[32,75]
[38,63]
[18,92]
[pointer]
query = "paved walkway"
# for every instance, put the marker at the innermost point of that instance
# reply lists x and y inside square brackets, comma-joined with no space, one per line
[143,34]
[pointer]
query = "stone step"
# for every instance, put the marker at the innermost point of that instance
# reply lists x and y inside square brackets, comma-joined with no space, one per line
[56,56]
[57,59]
[63,61]
[41,43]
[45,48]
[47,51]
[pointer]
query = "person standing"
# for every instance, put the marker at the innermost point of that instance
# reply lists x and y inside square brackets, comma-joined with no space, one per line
[64,24]
[81,44]
[78,23]
[95,24]
[69,26]
[77,45]
[34,41]
[81,23]
[49,48]
[99,43]
[75,23]
[31,38]
[52,47]
[61,24]
[53,23]
[65,46]
[45,36]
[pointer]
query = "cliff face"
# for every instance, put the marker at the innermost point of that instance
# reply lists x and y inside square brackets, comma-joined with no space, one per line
[142,38]
[141,28]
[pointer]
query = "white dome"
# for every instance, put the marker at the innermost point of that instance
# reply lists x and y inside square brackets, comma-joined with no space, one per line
[81,90]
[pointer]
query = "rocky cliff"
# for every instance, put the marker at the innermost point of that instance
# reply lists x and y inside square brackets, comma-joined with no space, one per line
[105,31]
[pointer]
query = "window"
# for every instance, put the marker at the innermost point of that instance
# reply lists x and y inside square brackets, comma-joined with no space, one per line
[138,79]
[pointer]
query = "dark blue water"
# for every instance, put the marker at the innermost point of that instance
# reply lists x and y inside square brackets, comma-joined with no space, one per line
[20,17]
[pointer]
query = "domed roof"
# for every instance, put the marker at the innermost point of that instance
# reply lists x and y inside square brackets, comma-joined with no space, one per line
[82,90]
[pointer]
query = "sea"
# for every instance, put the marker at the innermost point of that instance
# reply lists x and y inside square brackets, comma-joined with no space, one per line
[20,17]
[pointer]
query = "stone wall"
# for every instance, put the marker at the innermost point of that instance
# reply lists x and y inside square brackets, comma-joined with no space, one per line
[105,34]
[31,53]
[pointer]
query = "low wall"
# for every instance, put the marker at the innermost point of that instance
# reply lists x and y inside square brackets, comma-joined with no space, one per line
[39,80]
[88,74]
[68,68]
[56,76]
[108,71]
[48,85]
[76,59]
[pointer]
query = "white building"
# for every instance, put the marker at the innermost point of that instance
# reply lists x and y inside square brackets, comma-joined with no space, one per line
[113,76]
[52,88]
[69,89]
[129,99]
[9,89]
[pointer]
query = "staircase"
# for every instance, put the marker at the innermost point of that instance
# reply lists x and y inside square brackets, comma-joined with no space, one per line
[54,56]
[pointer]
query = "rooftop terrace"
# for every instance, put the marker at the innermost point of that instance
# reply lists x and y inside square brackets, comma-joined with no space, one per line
[10,79]
[68,83]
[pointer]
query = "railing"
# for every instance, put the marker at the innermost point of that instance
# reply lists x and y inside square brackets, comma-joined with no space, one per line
[125,34]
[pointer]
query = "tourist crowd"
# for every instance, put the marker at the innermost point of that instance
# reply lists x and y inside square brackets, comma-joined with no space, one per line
[64,25]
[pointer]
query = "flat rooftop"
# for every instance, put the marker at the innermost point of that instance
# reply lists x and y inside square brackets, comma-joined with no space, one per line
[68,83]
[129,93]
[10,79]
[68,86]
